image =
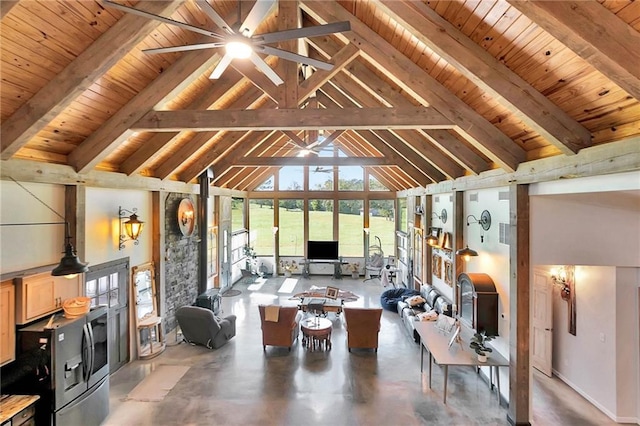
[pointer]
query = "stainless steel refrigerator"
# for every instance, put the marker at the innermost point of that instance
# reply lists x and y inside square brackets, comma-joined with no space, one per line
[72,372]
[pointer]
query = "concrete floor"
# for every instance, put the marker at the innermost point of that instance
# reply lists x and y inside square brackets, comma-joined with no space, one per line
[239,384]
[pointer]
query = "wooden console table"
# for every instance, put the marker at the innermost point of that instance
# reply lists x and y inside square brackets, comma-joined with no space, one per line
[437,344]
[337,266]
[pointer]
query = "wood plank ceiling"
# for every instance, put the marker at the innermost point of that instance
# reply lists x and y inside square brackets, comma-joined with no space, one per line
[420,92]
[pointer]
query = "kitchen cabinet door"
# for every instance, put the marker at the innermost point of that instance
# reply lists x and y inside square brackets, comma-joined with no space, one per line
[7,322]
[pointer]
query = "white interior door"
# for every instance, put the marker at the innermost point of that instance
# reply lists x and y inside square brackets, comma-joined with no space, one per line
[542,322]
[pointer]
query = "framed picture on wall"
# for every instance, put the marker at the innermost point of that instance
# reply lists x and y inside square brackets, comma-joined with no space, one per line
[448,273]
[436,265]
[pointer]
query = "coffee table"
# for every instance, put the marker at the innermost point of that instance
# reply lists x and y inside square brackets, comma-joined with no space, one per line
[309,304]
[316,333]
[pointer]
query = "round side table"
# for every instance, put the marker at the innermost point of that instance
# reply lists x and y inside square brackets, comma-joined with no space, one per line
[316,333]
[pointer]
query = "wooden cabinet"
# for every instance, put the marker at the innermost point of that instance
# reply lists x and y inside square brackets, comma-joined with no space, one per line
[41,294]
[478,302]
[18,410]
[7,322]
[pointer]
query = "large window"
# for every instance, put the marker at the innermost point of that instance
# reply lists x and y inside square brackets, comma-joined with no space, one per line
[237,214]
[350,178]
[321,220]
[351,234]
[291,178]
[382,224]
[291,228]
[402,215]
[261,223]
[321,178]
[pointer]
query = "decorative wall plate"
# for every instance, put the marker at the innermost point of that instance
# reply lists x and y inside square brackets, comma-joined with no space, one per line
[186,217]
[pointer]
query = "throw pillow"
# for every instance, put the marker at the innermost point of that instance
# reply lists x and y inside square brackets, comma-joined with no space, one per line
[415,301]
[432,315]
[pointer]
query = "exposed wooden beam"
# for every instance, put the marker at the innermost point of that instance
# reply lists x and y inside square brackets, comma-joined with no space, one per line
[250,99]
[293,119]
[288,70]
[209,98]
[6,6]
[388,145]
[484,70]
[117,129]
[475,128]
[594,33]
[35,114]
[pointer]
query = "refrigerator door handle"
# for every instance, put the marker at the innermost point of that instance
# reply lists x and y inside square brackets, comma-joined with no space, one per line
[87,351]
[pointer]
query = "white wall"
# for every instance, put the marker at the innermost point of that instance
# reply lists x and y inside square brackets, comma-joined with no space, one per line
[438,203]
[593,348]
[25,247]
[102,225]
[628,344]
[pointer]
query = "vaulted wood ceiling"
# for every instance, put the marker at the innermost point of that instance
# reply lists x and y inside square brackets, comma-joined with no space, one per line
[420,92]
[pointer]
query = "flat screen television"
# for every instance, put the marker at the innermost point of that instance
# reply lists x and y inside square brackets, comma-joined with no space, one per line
[322,250]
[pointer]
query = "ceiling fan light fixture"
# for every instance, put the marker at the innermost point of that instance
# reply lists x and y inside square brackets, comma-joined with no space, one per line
[238,49]
[304,152]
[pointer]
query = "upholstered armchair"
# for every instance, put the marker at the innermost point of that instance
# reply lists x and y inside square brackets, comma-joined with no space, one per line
[200,326]
[280,325]
[363,326]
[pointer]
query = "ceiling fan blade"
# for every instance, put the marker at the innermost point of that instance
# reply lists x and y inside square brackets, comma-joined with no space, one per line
[213,15]
[295,57]
[315,31]
[222,65]
[265,68]
[184,48]
[162,19]
[257,14]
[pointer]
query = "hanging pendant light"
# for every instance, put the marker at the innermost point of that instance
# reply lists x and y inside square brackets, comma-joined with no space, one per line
[70,265]
[467,253]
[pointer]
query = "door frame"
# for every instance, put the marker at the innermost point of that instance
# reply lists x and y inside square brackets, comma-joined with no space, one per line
[546,366]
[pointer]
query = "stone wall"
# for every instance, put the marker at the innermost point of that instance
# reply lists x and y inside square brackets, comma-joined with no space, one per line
[181,264]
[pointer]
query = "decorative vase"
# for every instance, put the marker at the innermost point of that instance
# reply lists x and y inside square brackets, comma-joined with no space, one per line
[355,275]
[482,358]
[287,274]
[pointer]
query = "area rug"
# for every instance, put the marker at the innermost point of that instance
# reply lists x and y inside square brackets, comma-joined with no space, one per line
[158,383]
[231,293]
[314,291]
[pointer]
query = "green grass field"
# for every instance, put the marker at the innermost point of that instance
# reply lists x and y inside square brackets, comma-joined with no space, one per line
[320,228]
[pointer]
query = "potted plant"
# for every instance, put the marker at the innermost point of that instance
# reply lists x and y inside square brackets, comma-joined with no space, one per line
[354,268]
[288,267]
[479,344]
[250,258]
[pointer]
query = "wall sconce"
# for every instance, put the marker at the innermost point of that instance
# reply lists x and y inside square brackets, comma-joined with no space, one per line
[484,221]
[366,230]
[274,230]
[69,266]
[442,216]
[132,227]
[467,253]
[560,279]
[433,239]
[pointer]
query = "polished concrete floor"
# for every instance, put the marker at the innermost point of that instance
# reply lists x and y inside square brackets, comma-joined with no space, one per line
[239,384]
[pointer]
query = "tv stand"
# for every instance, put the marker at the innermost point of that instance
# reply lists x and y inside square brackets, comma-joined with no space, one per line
[337,266]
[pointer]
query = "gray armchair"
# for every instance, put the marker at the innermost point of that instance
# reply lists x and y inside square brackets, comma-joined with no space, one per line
[200,326]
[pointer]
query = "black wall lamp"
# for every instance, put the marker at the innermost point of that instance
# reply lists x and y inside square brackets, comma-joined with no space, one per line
[442,216]
[132,226]
[70,265]
[485,222]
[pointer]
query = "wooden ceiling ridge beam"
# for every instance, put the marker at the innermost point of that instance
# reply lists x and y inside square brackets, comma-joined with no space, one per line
[293,119]
[594,33]
[250,99]
[35,114]
[153,147]
[486,72]
[475,128]
[421,147]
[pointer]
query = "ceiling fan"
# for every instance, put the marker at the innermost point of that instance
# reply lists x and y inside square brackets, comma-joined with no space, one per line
[239,39]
